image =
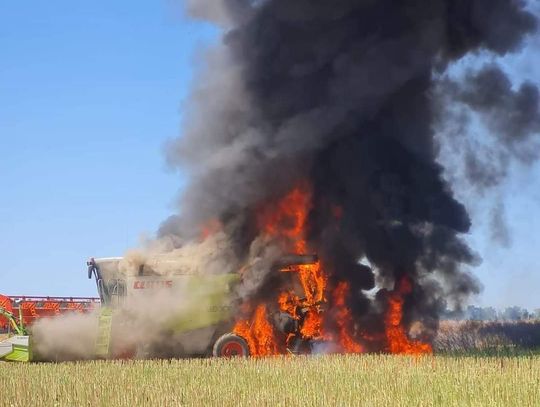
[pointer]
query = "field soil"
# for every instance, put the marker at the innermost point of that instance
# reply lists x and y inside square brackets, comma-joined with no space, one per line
[370,380]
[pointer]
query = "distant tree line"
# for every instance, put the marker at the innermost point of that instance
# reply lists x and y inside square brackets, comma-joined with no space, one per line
[474,313]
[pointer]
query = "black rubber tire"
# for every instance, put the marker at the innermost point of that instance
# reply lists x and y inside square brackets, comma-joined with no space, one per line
[230,345]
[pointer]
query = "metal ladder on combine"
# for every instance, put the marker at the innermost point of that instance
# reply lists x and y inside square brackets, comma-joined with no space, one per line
[103,342]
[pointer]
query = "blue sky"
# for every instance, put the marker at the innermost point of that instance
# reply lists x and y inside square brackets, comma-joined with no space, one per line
[89,93]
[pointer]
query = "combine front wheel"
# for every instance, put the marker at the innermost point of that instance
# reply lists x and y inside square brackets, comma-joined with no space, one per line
[231,345]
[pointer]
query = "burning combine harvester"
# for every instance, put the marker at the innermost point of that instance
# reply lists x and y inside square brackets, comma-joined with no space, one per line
[296,317]
[170,306]
[294,306]
[329,127]
[310,304]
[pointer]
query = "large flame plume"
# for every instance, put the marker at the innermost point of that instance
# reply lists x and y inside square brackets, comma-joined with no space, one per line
[286,220]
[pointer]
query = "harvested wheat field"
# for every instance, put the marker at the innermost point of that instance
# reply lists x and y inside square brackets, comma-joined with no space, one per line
[315,381]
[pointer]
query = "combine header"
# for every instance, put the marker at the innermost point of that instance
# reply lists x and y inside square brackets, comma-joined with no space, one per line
[34,308]
[19,312]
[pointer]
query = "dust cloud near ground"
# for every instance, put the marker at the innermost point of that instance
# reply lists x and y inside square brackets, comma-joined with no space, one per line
[66,337]
[149,325]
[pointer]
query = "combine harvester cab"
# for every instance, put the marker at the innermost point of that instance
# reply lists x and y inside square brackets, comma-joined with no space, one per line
[201,326]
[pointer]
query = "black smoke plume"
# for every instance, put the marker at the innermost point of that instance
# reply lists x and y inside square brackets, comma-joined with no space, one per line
[346,94]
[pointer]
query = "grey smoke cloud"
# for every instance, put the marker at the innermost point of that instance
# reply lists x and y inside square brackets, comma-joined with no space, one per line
[510,114]
[221,12]
[499,228]
[513,116]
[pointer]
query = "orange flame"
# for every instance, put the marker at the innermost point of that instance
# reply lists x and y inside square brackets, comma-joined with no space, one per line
[286,220]
[312,326]
[258,333]
[344,320]
[288,302]
[210,228]
[396,336]
[288,217]
[313,281]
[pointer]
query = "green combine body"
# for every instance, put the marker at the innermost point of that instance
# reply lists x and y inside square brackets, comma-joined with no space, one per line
[198,310]
[195,308]
[191,310]
[103,342]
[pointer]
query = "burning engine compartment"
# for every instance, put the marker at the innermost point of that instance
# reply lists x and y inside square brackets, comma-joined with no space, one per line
[301,308]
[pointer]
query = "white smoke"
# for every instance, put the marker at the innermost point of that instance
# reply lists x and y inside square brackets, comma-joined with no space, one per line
[212,255]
